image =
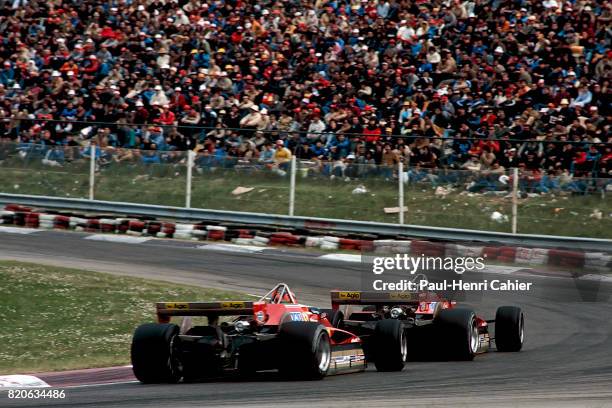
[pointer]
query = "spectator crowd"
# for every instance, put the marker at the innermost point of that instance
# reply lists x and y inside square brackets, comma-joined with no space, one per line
[455,84]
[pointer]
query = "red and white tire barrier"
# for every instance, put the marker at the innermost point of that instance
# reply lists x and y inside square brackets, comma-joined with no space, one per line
[137,227]
[391,246]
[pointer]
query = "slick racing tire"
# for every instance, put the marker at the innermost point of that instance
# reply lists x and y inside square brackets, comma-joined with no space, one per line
[509,328]
[335,317]
[390,345]
[153,353]
[458,333]
[306,350]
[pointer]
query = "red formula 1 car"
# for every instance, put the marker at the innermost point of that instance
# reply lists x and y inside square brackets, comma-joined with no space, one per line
[398,326]
[275,332]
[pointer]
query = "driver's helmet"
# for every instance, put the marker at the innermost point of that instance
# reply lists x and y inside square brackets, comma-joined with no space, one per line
[286,298]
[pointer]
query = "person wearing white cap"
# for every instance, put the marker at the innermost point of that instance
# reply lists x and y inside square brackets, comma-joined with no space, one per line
[311,19]
[253,119]
[178,99]
[163,59]
[159,97]
[405,32]
[265,120]
[181,18]
[224,83]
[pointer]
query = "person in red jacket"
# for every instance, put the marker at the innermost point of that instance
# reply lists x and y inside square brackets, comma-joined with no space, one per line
[489,118]
[178,100]
[372,132]
[237,35]
[91,66]
[107,32]
[142,114]
[166,116]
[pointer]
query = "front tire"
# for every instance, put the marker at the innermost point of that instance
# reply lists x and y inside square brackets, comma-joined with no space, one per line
[509,328]
[390,345]
[459,333]
[153,353]
[306,350]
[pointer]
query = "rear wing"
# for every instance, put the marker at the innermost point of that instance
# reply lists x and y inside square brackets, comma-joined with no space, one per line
[339,297]
[226,308]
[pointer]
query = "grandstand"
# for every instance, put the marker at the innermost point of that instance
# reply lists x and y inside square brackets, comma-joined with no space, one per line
[451,85]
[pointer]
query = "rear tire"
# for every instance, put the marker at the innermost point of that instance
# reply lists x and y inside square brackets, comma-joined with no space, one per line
[306,350]
[509,328]
[153,353]
[459,333]
[335,317]
[390,345]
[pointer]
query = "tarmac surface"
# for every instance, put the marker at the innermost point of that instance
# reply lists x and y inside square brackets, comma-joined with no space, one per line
[566,360]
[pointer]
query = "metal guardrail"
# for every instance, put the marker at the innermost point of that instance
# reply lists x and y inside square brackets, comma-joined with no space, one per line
[347,226]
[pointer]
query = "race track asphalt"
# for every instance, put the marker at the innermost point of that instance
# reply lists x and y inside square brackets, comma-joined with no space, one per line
[566,360]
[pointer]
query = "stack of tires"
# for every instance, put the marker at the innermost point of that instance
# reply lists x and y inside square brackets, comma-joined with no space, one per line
[568,259]
[7,217]
[32,219]
[123,225]
[427,248]
[92,225]
[491,253]
[183,231]
[46,221]
[392,246]
[355,244]
[78,223]
[284,238]
[531,256]
[153,228]
[598,261]
[61,222]
[457,250]
[506,254]
[200,232]
[135,228]
[330,243]
[167,231]
[216,232]
[313,242]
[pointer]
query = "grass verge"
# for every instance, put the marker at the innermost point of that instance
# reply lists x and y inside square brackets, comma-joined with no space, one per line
[58,319]
[566,214]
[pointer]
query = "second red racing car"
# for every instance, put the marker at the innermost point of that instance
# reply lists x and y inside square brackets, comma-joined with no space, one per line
[396,327]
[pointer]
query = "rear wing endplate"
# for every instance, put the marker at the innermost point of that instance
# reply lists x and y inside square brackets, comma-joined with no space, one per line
[339,297]
[225,308]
